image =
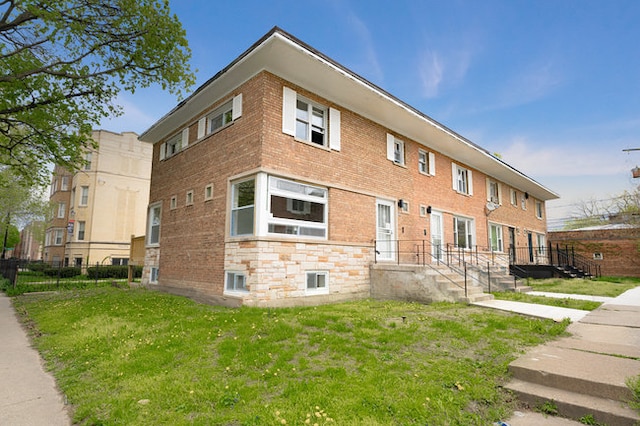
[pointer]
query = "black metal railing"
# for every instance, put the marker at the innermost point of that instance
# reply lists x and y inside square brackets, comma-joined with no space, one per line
[560,257]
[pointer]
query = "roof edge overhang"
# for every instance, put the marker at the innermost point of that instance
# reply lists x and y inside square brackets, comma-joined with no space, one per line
[277,50]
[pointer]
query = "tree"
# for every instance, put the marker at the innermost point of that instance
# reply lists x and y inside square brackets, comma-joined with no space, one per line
[62,63]
[620,209]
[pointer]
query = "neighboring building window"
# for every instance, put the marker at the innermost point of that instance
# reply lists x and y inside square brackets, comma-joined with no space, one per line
[311,122]
[81,229]
[173,204]
[539,209]
[296,208]
[54,185]
[153,275]
[463,232]
[77,262]
[153,230]
[88,157]
[58,233]
[84,195]
[119,261]
[220,117]
[462,180]
[189,198]
[64,184]
[208,192]
[242,207]
[317,282]
[62,209]
[496,237]
[236,281]
[493,192]
[514,197]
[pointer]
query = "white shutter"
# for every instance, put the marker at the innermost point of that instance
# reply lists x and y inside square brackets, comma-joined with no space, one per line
[499,193]
[201,127]
[432,164]
[237,107]
[470,183]
[163,148]
[488,189]
[288,111]
[185,137]
[454,176]
[390,147]
[334,129]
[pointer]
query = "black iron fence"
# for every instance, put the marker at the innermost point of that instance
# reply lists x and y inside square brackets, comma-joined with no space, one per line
[9,270]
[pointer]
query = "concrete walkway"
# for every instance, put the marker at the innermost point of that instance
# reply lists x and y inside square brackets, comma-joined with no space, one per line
[28,394]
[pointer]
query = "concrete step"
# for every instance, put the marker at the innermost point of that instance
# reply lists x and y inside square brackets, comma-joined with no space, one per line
[575,405]
[564,369]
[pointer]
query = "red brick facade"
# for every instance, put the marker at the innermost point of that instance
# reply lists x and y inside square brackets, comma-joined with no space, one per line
[197,247]
[617,251]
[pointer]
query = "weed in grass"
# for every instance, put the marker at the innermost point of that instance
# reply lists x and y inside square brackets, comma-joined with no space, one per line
[633,383]
[197,364]
[588,419]
[548,407]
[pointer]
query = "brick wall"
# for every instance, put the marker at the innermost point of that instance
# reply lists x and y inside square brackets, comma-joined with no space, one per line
[620,248]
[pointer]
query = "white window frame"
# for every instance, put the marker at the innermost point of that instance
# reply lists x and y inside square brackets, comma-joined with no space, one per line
[494,192]
[541,243]
[314,276]
[539,213]
[64,183]
[462,179]
[88,158]
[173,203]
[469,228]
[154,271]
[224,114]
[58,235]
[290,118]
[81,233]
[189,198]
[84,196]
[514,197]
[499,246]
[232,281]
[208,192]
[404,208]
[395,150]
[426,162]
[304,193]
[236,210]
[307,127]
[523,201]
[62,209]
[152,223]
[423,210]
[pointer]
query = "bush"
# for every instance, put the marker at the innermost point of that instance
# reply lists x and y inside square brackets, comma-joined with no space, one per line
[98,272]
[37,266]
[64,272]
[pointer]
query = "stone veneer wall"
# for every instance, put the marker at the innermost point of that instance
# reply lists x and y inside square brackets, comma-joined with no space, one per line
[151,259]
[276,271]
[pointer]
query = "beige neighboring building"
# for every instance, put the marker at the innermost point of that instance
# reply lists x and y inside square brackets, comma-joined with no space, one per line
[96,210]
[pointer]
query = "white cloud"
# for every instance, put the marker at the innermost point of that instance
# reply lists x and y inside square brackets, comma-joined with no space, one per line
[445,68]
[430,70]
[364,36]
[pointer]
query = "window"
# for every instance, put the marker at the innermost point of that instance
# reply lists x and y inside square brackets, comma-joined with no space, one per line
[220,117]
[539,209]
[540,240]
[77,262]
[236,281]
[598,256]
[426,162]
[296,208]
[189,198]
[57,235]
[404,206]
[153,275]
[173,204]
[496,237]
[463,232]
[310,122]
[208,192]
[73,198]
[84,195]
[88,157]
[242,207]
[64,184]
[153,224]
[173,145]
[395,150]
[514,197]
[317,282]
[423,210]
[119,261]
[493,192]
[462,180]
[54,186]
[62,209]
[81,229]
[523,200]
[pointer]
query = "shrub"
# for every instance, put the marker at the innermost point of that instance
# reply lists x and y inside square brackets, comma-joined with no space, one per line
[64,272]
[98,272]
[37,266]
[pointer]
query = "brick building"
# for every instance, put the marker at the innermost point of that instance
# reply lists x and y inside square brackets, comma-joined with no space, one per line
[285,176]
[616,247]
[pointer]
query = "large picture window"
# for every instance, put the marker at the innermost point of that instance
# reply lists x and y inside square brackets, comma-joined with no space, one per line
[463,232]
[297,208]
[243,207]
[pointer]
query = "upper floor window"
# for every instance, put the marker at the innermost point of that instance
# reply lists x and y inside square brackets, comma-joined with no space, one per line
[62,209]
[462,179]
[309,121]
[174,145]
[208,192]
[514,197]
[84,195]
[81,229]
[523,200]
[539,209]
[395,149]
[153,224]
[189,198]
[64,184]
[58,235]
[220,117]
[426,162]
[493,192]
[54,186]
[88,157]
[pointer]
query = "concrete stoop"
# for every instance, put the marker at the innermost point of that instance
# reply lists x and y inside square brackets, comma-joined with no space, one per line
[577,383]
[475,293]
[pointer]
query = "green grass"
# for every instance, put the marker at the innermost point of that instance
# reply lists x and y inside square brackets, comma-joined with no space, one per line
[138,357]
[585,305]
[604,286]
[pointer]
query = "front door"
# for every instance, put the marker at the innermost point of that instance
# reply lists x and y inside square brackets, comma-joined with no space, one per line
[436,235]
[385,232]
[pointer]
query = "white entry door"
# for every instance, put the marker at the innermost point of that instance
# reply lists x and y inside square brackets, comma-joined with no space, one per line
[436,236]
[385,232]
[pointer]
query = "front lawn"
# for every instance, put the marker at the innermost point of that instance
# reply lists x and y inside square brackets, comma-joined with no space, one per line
[147,358]
[604,286]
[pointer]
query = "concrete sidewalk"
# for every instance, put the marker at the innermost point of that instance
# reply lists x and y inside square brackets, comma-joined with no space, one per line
[28,394]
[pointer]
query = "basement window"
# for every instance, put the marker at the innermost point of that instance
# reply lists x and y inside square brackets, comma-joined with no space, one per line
[597,256]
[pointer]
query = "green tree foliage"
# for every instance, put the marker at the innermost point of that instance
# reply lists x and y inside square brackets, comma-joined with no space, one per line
[63,62]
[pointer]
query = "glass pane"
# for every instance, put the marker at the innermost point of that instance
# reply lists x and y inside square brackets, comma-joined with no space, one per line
[302,111]
[216,122]
[283,229]
[242,221]
[291,208]
[244,193]
[384,216]
[321,280]
[461,231]
[302,130]
[317,118]
[317,136]
[311,281]
[312,232]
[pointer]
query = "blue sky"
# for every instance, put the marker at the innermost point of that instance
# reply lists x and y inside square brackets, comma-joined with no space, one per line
[553,86]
